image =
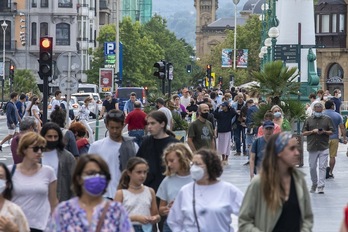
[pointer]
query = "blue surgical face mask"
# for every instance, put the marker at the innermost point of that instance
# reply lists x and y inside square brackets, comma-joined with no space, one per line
[277,114]
[317,114]
[95,185]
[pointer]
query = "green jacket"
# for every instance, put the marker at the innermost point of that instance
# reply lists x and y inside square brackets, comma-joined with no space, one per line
[255,216]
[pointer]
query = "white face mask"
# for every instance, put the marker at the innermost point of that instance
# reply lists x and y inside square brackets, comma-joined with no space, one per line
[339,95]
[197,172]
[2,185]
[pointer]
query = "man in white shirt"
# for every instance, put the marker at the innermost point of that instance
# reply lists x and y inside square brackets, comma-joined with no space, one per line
[160,106]
[115,149]
[57,100]
[185,98]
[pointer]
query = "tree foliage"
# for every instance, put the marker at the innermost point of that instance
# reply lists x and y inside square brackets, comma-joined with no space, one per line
[24,81]
[247,38]
[144,45]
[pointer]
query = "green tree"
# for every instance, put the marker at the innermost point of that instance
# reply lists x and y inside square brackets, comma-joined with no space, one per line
[24,82]
[276,81]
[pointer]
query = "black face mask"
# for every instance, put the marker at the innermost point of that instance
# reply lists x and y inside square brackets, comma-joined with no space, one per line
[157,107]
[51,144]
[204,115]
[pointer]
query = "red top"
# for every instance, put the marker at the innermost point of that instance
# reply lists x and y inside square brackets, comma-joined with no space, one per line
[136,120]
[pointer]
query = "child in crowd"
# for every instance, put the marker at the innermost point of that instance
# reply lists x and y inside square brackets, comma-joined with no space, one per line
[138,200]
[177,158]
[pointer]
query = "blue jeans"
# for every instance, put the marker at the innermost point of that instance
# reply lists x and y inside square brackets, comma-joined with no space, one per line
[138,134]
[137,228]
[166,227]
[239,133]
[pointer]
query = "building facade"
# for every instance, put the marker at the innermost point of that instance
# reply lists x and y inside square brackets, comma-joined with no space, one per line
[331,34]
[137,10]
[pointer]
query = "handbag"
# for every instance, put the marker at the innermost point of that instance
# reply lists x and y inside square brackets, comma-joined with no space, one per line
[102,217]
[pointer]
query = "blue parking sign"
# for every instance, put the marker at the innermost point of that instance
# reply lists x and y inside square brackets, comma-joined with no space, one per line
[109,48]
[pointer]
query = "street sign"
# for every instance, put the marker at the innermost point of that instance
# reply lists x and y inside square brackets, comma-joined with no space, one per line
[63,62]
[106,81]
[109,48]
[287,53]
[64,85]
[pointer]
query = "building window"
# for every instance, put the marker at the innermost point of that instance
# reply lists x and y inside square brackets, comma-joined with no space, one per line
[325,23]
[334,23]
[336,71]
[63,34]
[43,29]
[34,3]
[65,3]
[342,25]
[44,3]
[317,24]
[33,33]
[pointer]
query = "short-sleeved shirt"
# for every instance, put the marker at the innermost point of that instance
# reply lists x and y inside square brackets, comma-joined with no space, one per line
[136,120]
[316,142]
[31,194]
[202,134]
[110,105]
[258,148]
[171,185]
[337,120]
[14,213]
[70,217]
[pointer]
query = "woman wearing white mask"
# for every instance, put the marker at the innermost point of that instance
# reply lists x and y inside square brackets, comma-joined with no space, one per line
[207,203]
[12,218]
[279,118]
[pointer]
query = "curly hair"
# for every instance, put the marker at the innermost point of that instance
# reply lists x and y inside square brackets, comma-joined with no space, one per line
[79,128]
[212,162]
[58,115]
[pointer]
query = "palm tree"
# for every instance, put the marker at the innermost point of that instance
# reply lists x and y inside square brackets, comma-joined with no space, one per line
[276,81]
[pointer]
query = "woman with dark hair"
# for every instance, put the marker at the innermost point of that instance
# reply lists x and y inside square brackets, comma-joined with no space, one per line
[89,211]
[12,218]
[61,160]
[34,111]
[207,203]
[79,130]
[278,198]
[153,145]
[58,116]
[34,184]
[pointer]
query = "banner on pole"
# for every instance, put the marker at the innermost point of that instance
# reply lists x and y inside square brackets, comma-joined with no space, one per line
[226,58]
[241,58]
[106,82]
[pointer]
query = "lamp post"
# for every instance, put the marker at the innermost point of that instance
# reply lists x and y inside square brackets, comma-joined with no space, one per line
[273,33]
[4,27]
[235,33]
[268,44]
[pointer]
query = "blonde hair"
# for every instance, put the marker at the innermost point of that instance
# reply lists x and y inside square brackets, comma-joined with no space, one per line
[184,154]
[30,138]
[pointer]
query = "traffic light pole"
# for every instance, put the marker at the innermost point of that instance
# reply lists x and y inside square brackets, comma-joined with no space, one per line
[45,100]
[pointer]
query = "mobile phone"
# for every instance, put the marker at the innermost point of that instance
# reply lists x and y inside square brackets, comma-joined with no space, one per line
[320,129]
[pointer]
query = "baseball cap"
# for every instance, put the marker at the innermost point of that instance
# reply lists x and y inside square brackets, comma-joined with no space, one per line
[225,103]
[268,124]
[108,94]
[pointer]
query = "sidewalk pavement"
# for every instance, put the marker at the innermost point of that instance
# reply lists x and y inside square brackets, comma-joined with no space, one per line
[327,208]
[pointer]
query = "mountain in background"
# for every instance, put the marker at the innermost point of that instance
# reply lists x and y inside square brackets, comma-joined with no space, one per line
[181,15]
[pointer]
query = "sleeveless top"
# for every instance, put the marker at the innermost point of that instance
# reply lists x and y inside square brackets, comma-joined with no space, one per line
[137,203]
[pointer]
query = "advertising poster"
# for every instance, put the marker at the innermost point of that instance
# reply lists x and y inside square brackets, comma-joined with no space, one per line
[106,80]
[226,58]
[242,58]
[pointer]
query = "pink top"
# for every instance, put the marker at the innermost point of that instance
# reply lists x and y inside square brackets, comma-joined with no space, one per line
[277,130]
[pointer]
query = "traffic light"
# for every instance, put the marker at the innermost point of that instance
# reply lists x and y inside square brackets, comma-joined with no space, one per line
[45,57]
[188,68]
[161,72]
[12,68]
[208,70]
[220,80]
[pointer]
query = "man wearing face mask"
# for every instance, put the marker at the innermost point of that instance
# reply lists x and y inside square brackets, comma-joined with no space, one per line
[318,129]
[337,100]
[201,132]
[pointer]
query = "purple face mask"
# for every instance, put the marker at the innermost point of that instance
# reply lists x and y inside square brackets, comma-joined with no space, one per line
[94,185]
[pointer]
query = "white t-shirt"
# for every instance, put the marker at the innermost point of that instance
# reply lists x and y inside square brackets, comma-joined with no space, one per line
[214,205]
[109,151]
[185,101]
[14,213]
[170,187]
[50,158]
[31,194]
[55,103]
[35,109]
[169,116]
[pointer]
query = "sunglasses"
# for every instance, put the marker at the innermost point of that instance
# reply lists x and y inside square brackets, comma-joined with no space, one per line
[36,149]
[118,114]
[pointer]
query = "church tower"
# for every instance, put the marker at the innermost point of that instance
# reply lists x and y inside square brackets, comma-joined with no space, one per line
[205,14]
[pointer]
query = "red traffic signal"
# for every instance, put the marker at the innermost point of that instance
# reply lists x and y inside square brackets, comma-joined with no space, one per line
[209,70]
[45,57]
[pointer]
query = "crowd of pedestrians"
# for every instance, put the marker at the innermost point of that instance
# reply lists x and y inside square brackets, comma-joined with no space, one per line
[63,180]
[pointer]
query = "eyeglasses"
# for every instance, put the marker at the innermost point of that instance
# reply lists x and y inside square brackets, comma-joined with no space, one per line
[93,173]
[36,149]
